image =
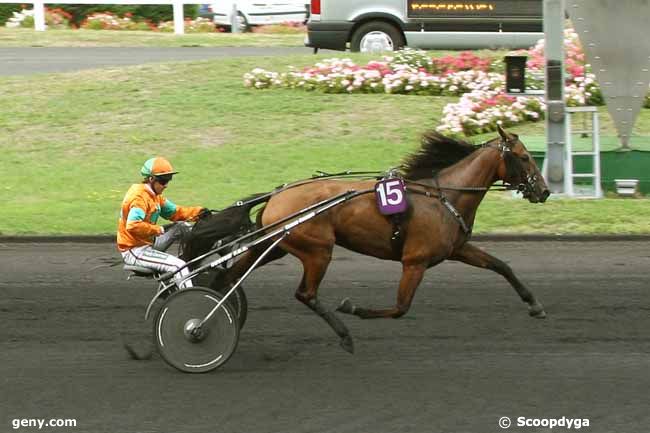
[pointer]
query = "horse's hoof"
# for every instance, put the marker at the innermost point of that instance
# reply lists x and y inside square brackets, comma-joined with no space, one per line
[347,344]
[346,307]
[537,311]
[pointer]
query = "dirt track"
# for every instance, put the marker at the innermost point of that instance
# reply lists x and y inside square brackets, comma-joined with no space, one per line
[465,355]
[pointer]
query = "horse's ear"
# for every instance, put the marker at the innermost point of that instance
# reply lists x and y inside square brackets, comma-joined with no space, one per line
[502,133]
[505,137]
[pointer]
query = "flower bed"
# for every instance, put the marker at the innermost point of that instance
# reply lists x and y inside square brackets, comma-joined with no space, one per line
[479,81]
[288,28]
[482,102]
[109,21]
[344,76]
[480,111]
[58,18]
[199,25]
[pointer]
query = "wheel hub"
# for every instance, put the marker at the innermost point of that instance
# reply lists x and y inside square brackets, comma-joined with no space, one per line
[193,330]
[375,42]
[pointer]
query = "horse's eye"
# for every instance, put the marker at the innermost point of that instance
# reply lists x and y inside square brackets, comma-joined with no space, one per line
[525,158]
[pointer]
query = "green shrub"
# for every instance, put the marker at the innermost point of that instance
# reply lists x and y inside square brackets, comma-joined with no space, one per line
[7,11]
[93,25]
[27,23]
[141,25]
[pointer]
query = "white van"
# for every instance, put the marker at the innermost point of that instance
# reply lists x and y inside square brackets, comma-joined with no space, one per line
[256,12]
[385,25]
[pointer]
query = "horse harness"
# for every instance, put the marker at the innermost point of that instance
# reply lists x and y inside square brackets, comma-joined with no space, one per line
[397,220]
[504,146]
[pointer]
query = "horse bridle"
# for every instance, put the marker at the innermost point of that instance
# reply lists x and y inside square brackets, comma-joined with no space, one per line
[504,146]
[528,186]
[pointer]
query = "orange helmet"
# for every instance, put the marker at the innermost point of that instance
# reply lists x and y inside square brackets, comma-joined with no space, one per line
[157,166]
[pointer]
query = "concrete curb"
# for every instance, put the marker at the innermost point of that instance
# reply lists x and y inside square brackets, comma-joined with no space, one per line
[98,239]
[44,239]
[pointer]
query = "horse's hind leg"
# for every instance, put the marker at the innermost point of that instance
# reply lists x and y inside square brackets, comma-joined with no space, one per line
[474,256]
[315,264]
[412,274]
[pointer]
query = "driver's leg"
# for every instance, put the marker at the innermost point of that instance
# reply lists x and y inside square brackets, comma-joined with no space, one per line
[173,232]
[159,261]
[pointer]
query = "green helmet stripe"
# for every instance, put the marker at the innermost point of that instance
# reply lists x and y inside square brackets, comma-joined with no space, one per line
[147,167]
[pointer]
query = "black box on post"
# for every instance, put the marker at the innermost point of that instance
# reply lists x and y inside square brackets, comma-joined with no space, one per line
[515,74]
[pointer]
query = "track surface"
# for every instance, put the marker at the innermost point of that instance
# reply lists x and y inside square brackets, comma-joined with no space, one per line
[465,355]
[30,60]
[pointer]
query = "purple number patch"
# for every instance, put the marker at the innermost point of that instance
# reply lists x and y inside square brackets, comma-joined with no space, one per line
[391,196]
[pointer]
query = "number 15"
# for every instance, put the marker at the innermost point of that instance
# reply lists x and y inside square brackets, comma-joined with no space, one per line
[390,193]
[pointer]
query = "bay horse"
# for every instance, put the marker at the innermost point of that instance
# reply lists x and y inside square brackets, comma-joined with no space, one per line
[445,180]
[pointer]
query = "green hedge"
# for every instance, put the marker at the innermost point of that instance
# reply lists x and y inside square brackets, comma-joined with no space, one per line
[7,11]
[153,13]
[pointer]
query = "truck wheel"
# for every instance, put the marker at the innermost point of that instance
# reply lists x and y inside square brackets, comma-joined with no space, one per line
[376,36]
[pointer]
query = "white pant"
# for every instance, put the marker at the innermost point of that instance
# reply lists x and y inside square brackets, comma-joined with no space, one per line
[152,257]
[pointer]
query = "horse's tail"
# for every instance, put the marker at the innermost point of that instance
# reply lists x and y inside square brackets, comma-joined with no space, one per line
[228,225]
[231,222]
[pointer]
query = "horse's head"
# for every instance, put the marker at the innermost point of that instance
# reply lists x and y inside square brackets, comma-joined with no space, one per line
[518,167]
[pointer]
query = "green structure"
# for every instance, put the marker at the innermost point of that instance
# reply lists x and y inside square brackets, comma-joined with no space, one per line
[631,164]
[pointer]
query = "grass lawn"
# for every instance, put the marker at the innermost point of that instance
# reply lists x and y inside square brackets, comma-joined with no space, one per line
[94,38]
[73,143]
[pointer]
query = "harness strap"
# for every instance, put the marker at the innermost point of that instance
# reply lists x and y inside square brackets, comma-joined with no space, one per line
[397,238]
[450,207]
[457,215]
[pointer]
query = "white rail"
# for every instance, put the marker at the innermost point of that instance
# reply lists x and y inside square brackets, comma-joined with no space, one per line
[179,24]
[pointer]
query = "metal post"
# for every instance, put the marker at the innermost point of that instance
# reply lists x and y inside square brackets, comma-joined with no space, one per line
[179,19]
[598,191]
[555,118]
[234,19]
[39,16]
[568,172]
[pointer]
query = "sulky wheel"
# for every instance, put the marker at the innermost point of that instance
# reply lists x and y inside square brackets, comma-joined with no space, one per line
[188,347]
[237,300]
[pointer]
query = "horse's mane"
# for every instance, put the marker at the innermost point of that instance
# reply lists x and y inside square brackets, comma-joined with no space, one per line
[437,152]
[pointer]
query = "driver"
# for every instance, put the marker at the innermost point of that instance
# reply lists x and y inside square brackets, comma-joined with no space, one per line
[140,239]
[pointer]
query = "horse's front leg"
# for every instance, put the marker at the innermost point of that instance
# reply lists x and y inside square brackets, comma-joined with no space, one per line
[412,274]
[475,256]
